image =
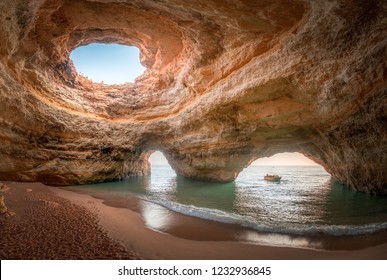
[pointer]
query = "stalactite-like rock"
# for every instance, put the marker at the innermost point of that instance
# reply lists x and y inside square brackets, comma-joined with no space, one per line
[227,82]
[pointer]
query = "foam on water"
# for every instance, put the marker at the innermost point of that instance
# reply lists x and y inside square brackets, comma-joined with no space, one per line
[269,227]
[305,202]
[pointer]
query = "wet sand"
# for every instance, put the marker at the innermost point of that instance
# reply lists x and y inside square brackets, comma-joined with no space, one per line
[192,228]
[140,228]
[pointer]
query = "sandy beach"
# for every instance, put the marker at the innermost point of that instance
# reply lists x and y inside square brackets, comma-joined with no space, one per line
[41,225]
[45,222]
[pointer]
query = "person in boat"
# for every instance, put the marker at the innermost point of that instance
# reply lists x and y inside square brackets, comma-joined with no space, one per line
[272,177]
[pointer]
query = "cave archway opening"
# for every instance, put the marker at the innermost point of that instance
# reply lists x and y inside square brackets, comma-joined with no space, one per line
[110,64]
[160,166]
[162,179]
[288,166]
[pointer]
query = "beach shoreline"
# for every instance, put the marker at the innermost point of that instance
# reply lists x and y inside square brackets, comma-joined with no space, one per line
[188,238]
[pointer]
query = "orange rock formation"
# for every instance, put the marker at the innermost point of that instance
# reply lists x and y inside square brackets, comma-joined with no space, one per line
[227,82]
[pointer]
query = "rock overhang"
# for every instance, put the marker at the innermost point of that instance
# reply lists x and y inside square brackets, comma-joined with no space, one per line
[227,82]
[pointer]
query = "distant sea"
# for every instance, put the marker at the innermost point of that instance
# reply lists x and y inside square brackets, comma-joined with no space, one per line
[307,201]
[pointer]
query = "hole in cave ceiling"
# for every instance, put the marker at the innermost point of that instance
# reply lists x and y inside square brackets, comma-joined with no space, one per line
[111,64]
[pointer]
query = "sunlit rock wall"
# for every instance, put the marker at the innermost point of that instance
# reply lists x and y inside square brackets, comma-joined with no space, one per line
[227,82]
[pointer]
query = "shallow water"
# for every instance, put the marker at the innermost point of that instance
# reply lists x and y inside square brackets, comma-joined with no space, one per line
[306,201]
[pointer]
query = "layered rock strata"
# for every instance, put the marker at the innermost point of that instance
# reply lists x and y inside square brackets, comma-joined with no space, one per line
[227,82]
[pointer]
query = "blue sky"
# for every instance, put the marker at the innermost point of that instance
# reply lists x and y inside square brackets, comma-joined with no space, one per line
[110,63]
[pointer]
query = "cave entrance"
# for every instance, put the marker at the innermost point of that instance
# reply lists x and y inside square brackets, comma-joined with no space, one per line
[161,170]
[162,179]
[292,167]
[157,158]
[108,63]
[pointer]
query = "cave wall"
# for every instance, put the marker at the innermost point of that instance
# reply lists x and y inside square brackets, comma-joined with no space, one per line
[227,82]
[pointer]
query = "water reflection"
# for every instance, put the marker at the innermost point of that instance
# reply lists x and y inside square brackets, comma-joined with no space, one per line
[345,206]
[207,195]
[296,200]
[280,239]
[306,202]
[155,216]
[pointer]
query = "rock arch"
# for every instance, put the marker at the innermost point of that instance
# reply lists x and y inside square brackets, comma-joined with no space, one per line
[226,83]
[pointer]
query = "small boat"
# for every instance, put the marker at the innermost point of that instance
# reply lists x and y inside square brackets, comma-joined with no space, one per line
[274,178]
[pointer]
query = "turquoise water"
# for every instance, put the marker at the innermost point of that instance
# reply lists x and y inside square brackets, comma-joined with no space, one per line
[306,201]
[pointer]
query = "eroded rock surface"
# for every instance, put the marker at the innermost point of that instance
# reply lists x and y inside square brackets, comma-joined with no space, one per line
[227,82]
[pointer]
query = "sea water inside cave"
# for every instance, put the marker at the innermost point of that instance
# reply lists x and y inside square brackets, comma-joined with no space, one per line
[307,201]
